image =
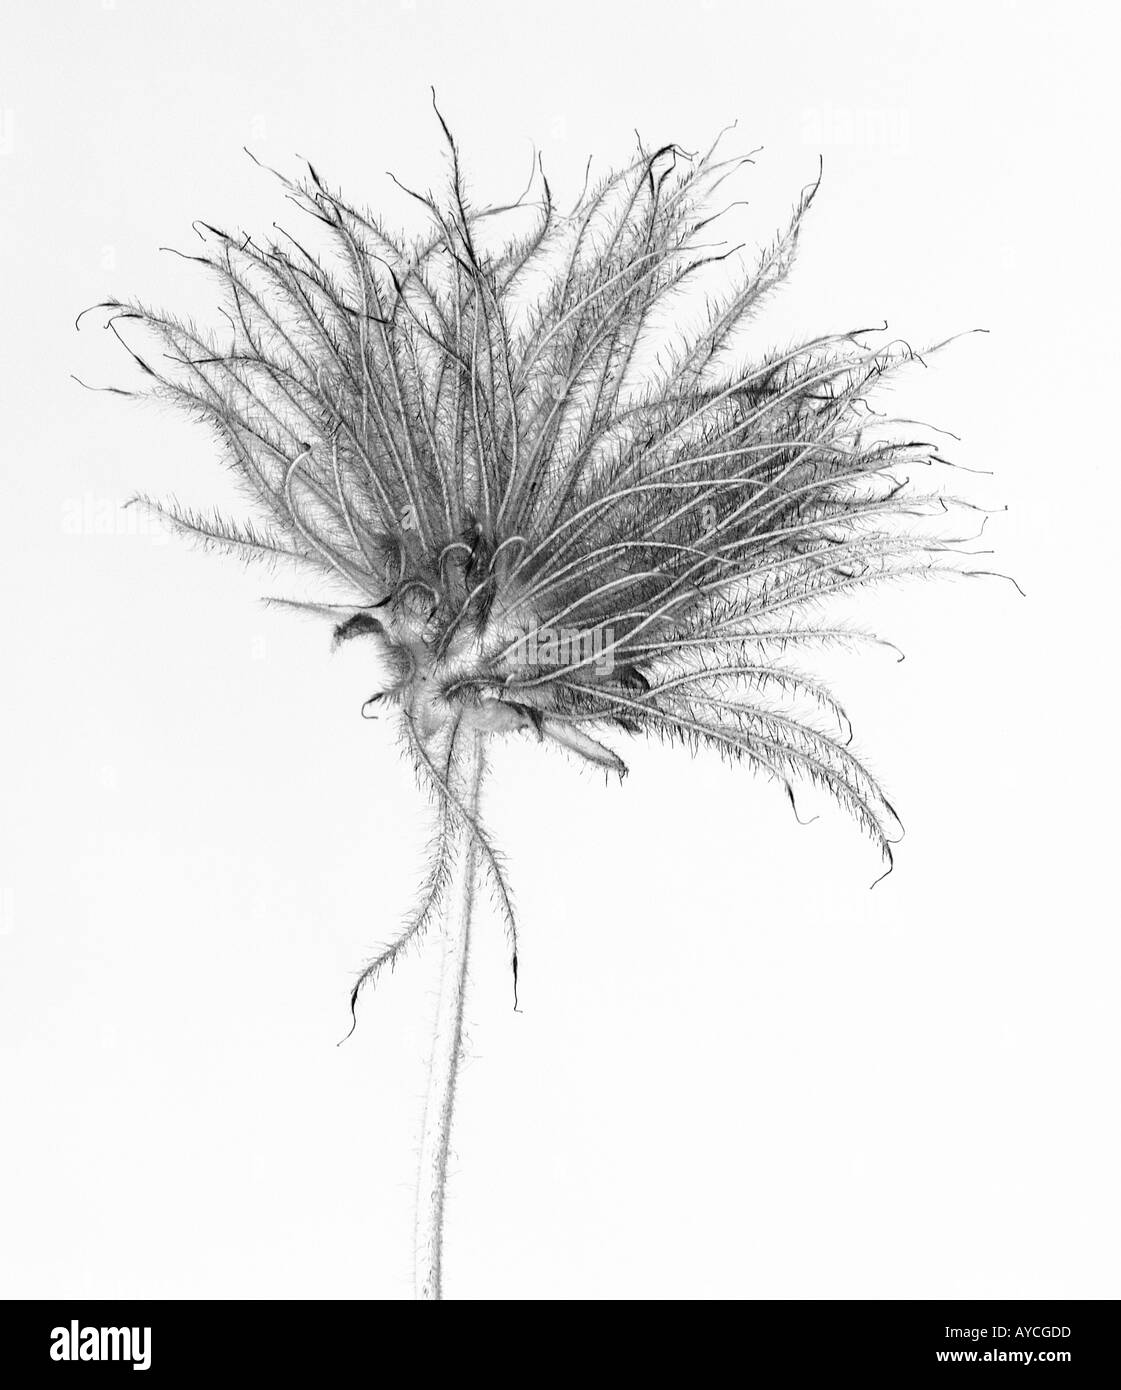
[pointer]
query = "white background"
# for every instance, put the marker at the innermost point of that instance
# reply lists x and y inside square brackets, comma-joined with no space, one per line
[737,1073]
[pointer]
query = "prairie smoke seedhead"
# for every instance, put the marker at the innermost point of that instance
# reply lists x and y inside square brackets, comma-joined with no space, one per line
[485,443]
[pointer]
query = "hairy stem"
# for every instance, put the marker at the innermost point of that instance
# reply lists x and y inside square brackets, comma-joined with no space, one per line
[448,1034]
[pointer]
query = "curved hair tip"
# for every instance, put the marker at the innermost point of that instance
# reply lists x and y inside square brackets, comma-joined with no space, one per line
[353,1016]
[889,870]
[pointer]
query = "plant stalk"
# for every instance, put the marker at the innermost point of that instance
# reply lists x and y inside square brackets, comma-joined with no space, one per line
[448,1035]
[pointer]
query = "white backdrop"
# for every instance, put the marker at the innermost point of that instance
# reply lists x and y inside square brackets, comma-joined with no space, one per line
[737,1073]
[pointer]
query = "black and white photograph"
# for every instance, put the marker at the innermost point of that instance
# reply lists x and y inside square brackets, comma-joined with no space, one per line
[557,571]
